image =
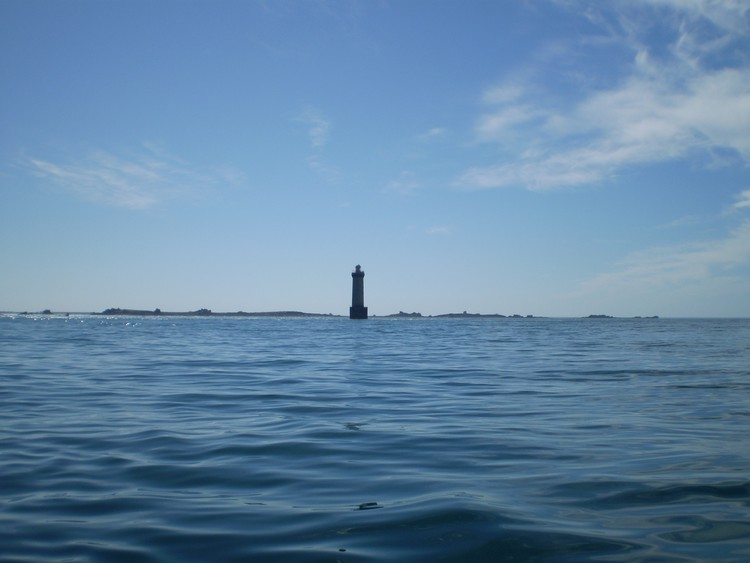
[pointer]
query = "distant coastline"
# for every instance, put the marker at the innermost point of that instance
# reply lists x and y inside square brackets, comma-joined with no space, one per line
[116,311]
[207,313]
[464,315]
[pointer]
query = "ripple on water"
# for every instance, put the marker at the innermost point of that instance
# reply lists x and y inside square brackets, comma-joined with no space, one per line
[287,440]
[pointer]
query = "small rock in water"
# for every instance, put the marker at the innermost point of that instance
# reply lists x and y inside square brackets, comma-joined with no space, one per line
[369,506]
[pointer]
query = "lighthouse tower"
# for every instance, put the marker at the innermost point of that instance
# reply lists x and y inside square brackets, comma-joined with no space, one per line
[358,309]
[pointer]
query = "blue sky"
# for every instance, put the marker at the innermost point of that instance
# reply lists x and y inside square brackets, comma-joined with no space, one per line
[545,157]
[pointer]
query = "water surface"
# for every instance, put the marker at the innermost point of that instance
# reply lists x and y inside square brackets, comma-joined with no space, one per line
[238,439]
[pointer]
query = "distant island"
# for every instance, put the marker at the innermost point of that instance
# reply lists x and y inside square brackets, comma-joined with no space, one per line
[611,317]
[464,315]
[207,313]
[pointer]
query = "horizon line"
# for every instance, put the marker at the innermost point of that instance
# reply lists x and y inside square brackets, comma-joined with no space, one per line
[293,313]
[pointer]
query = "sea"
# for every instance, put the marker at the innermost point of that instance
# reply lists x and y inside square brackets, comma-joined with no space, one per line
[324,439]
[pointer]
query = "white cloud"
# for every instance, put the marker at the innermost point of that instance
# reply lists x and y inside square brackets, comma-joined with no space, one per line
[724,14]
[743,200]
[502,123]
[135,182]
[433,133]
[503,94]
[667,107]
[674,266]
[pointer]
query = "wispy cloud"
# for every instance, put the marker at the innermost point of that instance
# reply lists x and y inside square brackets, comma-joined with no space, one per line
[438,230]
[318,131]
[318,127]
[405,184]
[673,266]
[743,200]
[434,133]
[135,182]
[328,172]
[674,101]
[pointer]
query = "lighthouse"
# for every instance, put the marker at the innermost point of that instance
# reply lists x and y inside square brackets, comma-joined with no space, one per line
[358,309]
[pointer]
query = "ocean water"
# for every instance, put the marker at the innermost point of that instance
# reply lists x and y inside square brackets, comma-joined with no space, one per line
[325,439]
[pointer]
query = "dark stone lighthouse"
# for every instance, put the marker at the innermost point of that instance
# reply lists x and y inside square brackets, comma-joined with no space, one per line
[358,309]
